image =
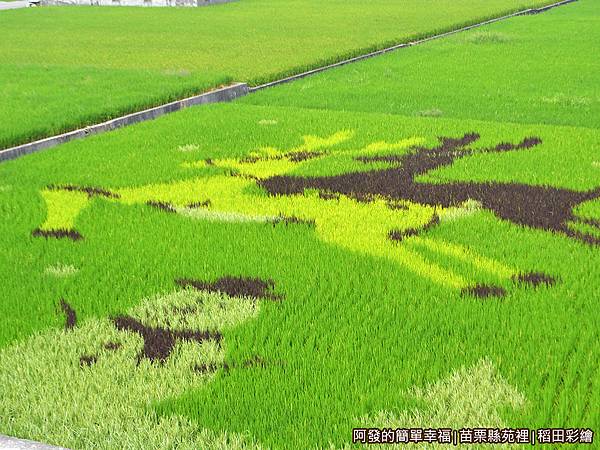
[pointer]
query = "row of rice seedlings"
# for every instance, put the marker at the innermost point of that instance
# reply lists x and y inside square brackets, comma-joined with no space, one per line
[153,73]
[126,91]
[412,86]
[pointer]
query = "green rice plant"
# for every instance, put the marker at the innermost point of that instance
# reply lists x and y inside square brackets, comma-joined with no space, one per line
[61,270]
[48,99]
[434,112]
[487,37]
[511,71]
[100,63]
[188,148]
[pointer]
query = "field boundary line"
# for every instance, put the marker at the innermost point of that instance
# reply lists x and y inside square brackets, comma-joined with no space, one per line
[234,91]
[224,94]
[383,51]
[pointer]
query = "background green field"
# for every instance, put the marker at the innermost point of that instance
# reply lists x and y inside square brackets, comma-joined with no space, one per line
[66,67]
[355,332]
[513,71]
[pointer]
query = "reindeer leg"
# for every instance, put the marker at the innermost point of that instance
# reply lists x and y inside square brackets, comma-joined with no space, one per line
[485,264]
[416,263]
[466,255]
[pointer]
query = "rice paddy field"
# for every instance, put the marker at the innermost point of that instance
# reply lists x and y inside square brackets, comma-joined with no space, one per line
[63,68]
[408,242]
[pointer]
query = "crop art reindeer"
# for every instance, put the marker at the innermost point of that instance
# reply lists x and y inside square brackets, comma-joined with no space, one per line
[541,207]
[372,206]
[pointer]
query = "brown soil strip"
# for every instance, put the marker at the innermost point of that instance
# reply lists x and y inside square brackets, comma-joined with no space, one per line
[91,191]
[163,206]
[395,205]
[58,234]
[204,204]
[484,291]
[250,159]
[534,279]
[525,144]
[399,235]
[206,368]
[540,207]
[87,360]
[302,156]
[254,361]
[292,156]
[235,287]
[584,237]
[329,195]
[211,367]
[113,346]
[159,342]
[70,314]
[287,220]
[591,222]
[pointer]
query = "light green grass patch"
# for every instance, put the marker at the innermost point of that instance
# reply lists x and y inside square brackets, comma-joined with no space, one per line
[434,112]
[267,122]
[48,394]
[63,208]
[61,270]
[488,37]
[177,72]
[188,148]
[470,397]
[467,209]
[567,100]
[219,216]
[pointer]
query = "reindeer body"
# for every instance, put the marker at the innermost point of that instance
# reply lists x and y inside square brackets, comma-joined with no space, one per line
[541,207]
[365,211]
